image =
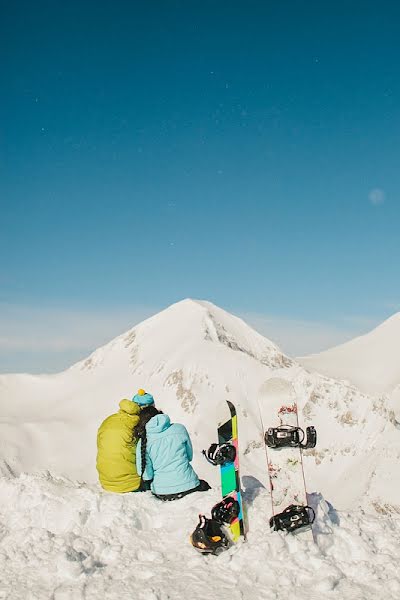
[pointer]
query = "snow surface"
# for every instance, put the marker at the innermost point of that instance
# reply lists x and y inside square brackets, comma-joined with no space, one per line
[371,361]
[65,541]
[63,538]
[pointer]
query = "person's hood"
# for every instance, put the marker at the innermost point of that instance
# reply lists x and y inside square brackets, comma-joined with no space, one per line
[127,406]
[158,423]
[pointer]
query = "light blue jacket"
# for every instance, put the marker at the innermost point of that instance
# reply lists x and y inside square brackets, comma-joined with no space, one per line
[168,455]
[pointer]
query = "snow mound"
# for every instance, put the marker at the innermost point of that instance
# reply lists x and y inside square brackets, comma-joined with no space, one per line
[66,541]
[370,361]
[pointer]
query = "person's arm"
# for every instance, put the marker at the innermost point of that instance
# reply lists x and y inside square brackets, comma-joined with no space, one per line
[148,474]
[189,447]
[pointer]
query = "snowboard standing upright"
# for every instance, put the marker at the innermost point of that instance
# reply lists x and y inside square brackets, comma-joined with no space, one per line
[228,522]
[230,474]
[228,443]
[278,411]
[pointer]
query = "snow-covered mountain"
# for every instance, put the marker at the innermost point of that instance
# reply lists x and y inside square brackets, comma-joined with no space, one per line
[69,540]
[371,361]
[190,356]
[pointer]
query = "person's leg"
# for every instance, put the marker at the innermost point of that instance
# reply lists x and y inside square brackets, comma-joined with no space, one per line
[202,487]
[171,497]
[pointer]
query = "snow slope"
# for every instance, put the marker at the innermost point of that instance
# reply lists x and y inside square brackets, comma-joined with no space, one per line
[63,541]
[371,362]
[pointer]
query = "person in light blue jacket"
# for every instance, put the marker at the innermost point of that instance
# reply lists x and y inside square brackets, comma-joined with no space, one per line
[163,456]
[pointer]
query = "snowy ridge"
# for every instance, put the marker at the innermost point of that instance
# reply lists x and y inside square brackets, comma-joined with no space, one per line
[370,361]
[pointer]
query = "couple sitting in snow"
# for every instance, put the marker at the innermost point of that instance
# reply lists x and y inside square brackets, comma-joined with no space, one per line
[139,449]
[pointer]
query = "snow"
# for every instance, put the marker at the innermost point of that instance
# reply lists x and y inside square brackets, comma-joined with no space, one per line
[370,361]
[63,538]
[67,541]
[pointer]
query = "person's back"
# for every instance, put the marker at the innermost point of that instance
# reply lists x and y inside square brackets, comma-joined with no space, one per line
[116,450]
[167,451]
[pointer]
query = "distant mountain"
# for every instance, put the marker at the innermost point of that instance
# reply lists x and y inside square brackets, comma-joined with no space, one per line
[371,361]
[190,356]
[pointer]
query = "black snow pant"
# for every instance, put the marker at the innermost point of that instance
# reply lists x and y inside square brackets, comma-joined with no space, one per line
[202,487]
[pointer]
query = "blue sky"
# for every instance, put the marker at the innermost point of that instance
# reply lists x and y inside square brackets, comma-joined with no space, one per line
[244,152]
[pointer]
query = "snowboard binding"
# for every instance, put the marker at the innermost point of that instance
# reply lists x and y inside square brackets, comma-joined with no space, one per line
[226,511]
[292,518]
[287,436]
[208,537]
[220,454]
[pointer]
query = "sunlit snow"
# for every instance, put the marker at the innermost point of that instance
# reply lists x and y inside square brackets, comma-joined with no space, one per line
[63,538]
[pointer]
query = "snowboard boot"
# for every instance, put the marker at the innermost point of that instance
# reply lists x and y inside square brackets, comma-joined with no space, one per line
[208,537]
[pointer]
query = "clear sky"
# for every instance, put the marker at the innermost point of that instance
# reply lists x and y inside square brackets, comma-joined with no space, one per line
[241,152]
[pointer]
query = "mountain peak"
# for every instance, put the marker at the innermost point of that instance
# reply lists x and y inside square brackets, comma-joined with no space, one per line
[186,328]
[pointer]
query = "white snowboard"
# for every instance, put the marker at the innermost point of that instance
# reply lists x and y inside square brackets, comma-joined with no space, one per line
[278,406]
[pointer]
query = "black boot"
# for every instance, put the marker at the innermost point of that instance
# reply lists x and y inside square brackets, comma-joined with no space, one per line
[208,537]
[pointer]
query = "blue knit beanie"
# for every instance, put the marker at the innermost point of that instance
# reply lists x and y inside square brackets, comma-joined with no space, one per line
[143,398]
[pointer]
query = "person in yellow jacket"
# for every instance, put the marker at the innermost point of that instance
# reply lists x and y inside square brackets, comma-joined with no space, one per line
[116,446]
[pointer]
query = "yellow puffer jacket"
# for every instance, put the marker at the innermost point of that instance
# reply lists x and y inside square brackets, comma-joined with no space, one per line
[116,453]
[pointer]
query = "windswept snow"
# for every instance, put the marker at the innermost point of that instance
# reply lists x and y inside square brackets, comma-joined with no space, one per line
[371,361]
[63,541]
